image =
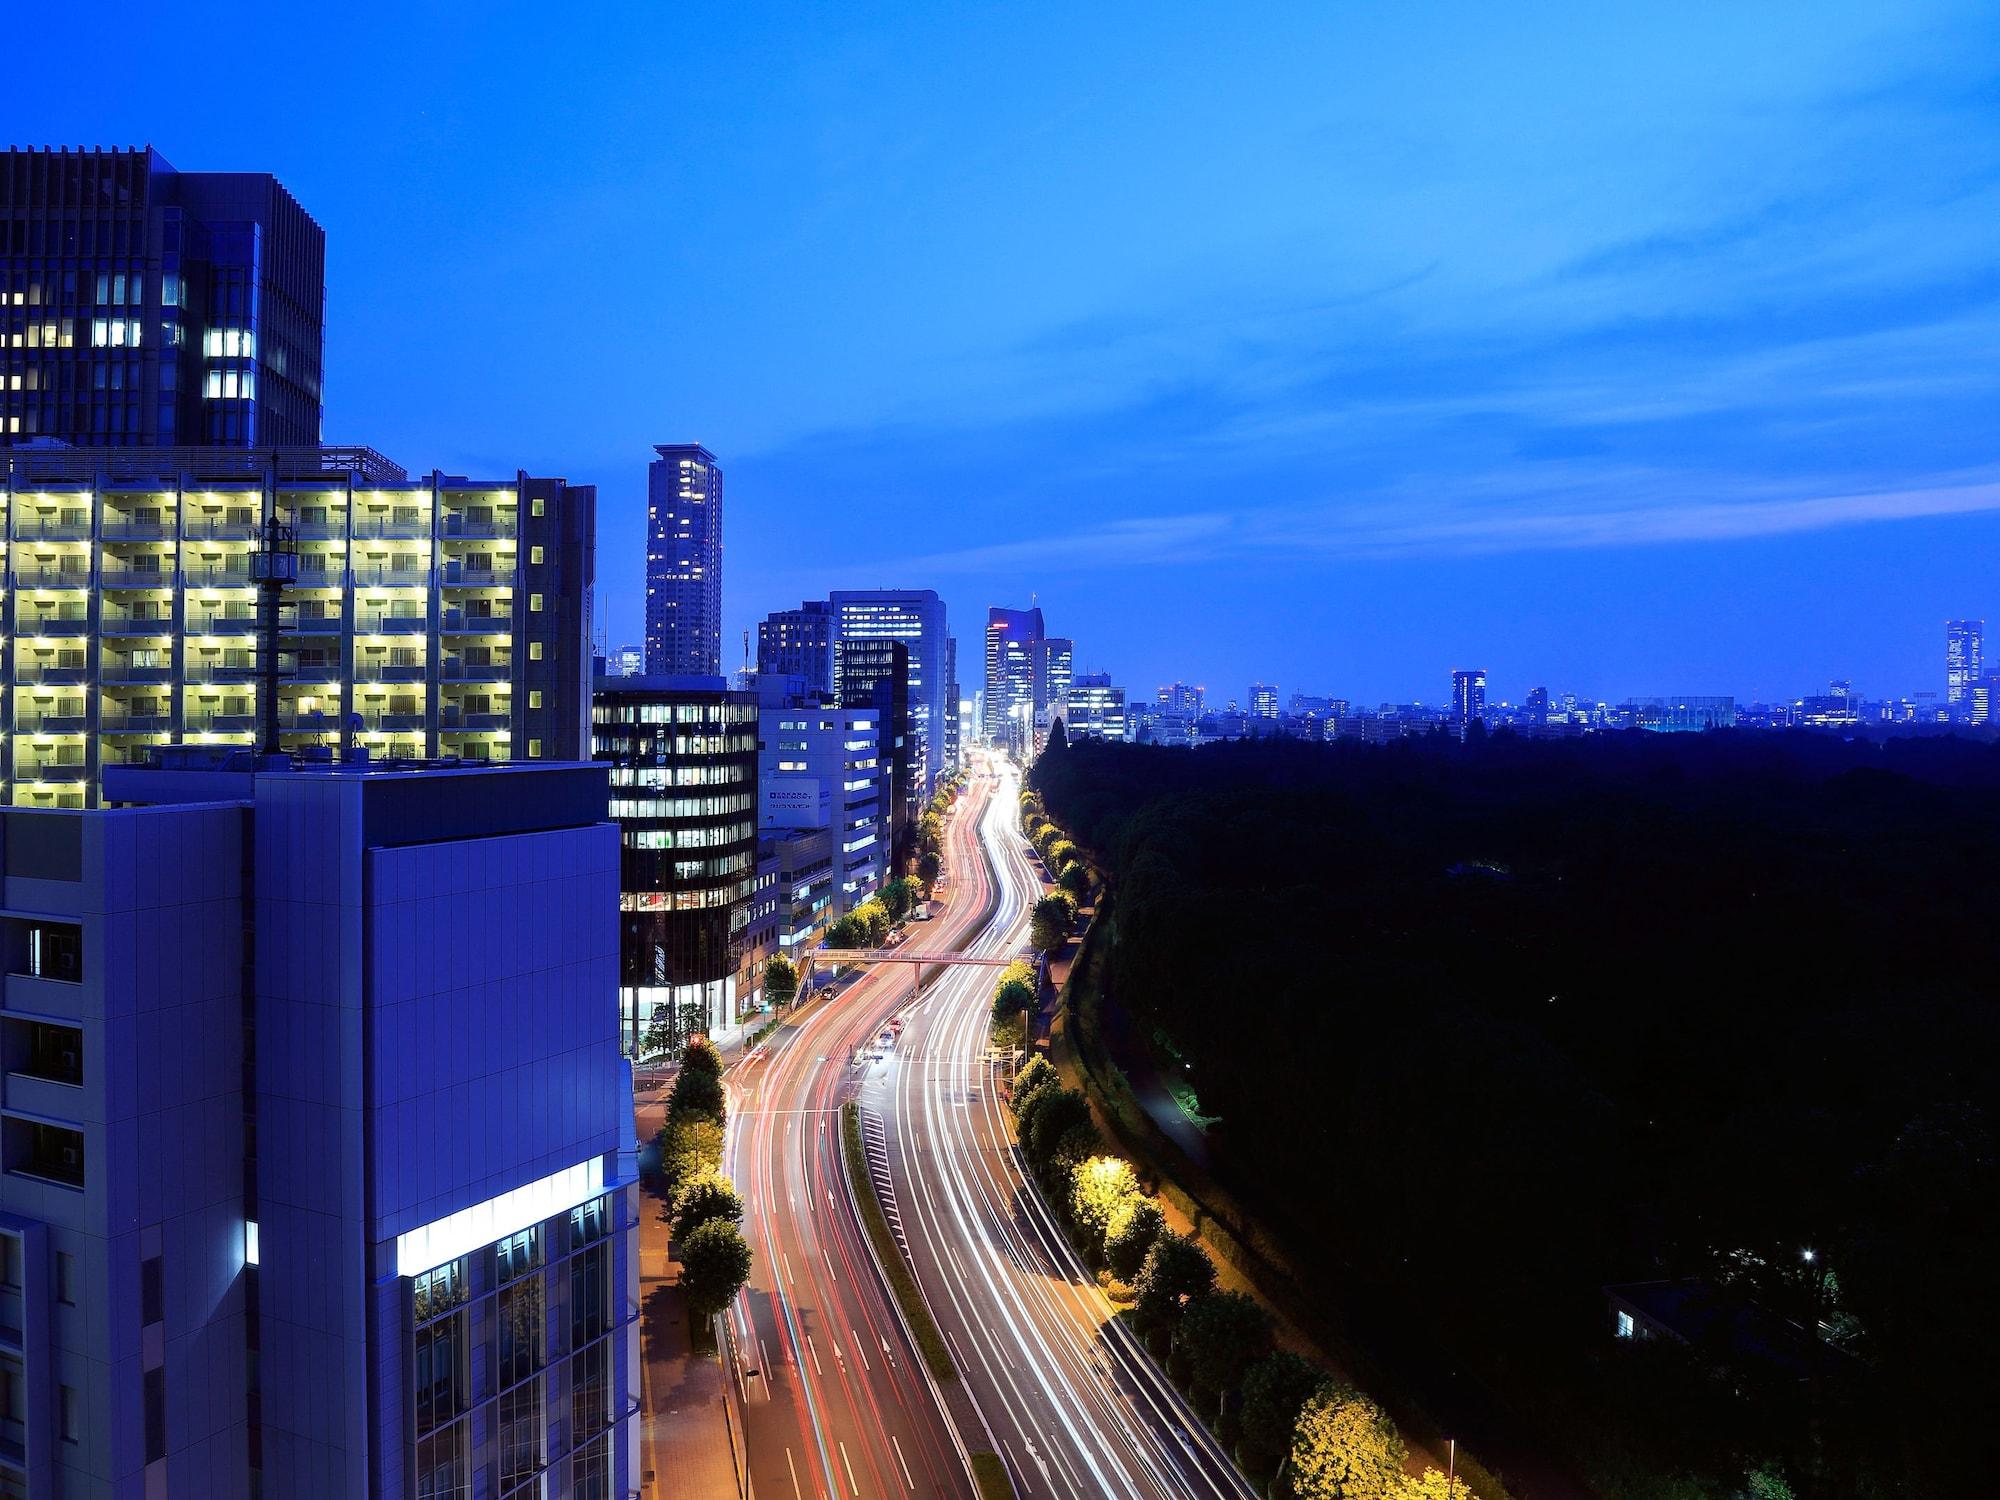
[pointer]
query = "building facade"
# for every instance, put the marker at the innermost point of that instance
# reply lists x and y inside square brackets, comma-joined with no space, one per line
[140,306]
[916,617]
[1051,668]
[431,617]
[1096,709]
[1468,694]
[683,562]
[874,672]
[1010,674]
[319,1173]
[683,755]
[1263,700]
[820,770]
[798,643]
[1964,663]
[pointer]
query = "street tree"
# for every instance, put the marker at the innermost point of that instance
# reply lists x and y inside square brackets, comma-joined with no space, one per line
[1344,1447]
[1072,1149]
[1055,915]
[715,1263]
[1098,1189]
[1075,879]
[874,920]
[689,1146]
[1038,1072]
[701,1057]
[1275,1390]
[929,867]
[1435,1484]
[1045,1120]
[1061,852]
[1014,991]
[1221,1336]
[846,932]
[897,898]
[1176,1269]
[781,981]
[696,1092]
[707,1195]
[1133,1228]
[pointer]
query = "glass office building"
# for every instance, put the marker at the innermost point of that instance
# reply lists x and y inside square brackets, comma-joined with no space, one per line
[431,617]
[145,307]
[683,754]
[683,562]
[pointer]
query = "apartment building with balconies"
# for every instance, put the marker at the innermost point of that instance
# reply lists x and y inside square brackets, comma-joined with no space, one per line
[432,617]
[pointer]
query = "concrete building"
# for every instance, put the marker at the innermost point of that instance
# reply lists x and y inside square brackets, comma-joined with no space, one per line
[874,672]
[916,617]
[1182,700]
[1682,714]
[683,756]
[1468,695]
[318,1177]
[683,562]
[438,616]
[1010,675]
[1096,709]
[819,769]
[1964,663]
[798,643]
[1263,700]
[145,307]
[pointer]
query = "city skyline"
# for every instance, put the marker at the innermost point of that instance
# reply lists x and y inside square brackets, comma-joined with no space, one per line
[1632,431]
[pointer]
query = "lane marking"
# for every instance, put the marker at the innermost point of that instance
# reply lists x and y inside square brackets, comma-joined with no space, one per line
[797,1493]
[815,1357]
[899,1459]
[853,1488]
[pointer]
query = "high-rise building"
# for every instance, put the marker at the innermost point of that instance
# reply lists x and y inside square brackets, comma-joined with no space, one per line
[819,768]
[1182,701]
[683,754]
[1010,674]
[1263,700]
[313,1097]
[916,617]
[798,643]
[1096,709]
[1468,694]
[628,661]
[1964,662]
[437,616]
[1051,667]
[683,562]
[874,672]
[145,307]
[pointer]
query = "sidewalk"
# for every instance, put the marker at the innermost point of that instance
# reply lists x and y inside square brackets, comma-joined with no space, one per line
[687,1446]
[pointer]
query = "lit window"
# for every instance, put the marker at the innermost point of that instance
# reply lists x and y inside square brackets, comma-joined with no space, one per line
[535,508]
[534,604]
[534,651]
[100,333]
[534,749]
[535,555]
[534,697]
[1625,1326]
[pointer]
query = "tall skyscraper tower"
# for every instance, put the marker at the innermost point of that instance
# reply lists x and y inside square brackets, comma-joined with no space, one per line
[1468,694]
[1010,671]
[1050,671]
[916,617]
[683,562]
[146,307]
[1964,662]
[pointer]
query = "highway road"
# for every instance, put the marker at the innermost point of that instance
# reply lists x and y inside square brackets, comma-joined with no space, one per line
[1066,1395]
[839,1405]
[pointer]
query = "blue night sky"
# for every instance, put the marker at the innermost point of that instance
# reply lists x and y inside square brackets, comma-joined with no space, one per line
[1622,348]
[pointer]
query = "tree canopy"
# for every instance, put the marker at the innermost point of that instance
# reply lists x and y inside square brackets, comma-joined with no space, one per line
[715,1263]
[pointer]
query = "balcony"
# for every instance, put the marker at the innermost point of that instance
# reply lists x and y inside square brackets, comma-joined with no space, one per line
[72,528]
[137,531]
[317,673]
[200,672]
[458,622]
[454,723]
[395,721]
[65,625]
[386,578]
[116,576]
[463,671]
[457,575]
[218,576]
[374,528]
[33,577]
[461,526]
[34,723]
[221,624]
[27,768]
[221,723]
[39,672]
[123,671]
[320,531]
[383,673]
[314,625]
[380,624]
[157,625]
[135,723]
[219,531]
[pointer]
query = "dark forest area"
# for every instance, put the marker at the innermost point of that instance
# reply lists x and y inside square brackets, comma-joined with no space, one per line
[1503,1022]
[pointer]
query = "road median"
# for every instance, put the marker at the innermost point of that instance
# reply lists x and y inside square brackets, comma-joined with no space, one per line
[888,1254]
